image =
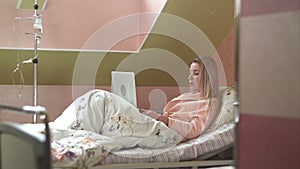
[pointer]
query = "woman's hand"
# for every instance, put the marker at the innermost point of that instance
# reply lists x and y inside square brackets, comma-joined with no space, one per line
[163,119]
[155,115]
[150,113]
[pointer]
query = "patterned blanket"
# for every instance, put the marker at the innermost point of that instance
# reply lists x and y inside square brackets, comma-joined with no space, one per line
[98,123]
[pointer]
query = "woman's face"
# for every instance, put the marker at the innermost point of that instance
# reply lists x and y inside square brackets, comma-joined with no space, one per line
[194,77]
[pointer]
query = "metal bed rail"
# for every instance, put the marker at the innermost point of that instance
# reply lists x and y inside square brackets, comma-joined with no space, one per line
[18,131]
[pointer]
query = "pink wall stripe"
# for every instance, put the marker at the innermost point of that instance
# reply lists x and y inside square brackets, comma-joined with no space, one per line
[57,98]
[268,142]
[109,24]
[227,56]
[261,7]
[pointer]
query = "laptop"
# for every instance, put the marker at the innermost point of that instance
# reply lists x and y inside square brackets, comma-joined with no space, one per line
[123,84]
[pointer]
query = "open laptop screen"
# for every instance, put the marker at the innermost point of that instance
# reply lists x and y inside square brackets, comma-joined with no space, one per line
[123,84]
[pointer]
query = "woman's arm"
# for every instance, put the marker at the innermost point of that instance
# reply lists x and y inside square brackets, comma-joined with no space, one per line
[188,129]
[163,119]
[155,115]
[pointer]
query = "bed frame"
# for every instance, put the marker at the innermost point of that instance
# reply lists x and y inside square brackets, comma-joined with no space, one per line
[21,148]
[214,161]
[191,164]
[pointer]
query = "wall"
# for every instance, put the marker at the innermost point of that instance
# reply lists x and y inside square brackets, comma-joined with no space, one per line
[168,44]
[269,83]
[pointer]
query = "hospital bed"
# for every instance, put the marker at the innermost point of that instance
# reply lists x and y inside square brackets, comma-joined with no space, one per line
[209,149]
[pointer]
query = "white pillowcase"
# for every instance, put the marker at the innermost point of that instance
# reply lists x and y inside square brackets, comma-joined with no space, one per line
[227,113]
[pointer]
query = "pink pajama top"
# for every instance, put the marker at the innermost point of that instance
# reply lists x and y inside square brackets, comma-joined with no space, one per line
[189,114]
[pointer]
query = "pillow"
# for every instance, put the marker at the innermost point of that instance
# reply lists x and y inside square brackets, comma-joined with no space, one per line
[227,113]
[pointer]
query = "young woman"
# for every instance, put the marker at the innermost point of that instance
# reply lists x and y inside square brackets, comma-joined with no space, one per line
[191,113]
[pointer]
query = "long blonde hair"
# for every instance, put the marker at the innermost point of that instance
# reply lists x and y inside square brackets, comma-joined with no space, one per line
[209,76]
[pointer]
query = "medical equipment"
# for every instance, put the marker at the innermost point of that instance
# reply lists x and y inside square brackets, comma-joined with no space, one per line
[38,30]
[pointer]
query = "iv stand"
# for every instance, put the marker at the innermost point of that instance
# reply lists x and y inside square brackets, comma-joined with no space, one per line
[37,36]
[35,62]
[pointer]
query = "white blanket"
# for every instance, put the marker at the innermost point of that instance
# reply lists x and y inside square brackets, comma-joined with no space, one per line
[98,123]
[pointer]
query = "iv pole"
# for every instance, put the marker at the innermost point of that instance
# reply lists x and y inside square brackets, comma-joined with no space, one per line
[37,36]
